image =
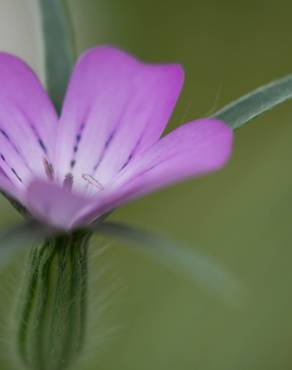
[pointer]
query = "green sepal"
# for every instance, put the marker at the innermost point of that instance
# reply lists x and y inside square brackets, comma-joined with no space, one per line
[51,313]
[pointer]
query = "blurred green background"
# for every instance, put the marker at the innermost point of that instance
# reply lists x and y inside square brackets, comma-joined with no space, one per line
[241,216]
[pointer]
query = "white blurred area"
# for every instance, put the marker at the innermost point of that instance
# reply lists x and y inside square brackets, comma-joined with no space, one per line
[19,31]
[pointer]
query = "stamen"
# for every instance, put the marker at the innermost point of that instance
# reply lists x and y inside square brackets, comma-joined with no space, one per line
[92,181]
[49,169]
[68,181]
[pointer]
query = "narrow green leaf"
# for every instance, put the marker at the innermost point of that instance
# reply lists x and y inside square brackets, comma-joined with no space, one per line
[19,237]
[181,258]
[59,47]
[249,106]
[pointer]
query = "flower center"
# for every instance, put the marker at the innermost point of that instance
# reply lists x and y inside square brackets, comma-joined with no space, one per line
[91,182]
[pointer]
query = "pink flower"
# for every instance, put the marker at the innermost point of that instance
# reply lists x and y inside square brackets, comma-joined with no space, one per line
[105,149]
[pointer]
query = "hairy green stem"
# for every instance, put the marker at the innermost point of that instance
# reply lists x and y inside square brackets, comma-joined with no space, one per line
[52,307]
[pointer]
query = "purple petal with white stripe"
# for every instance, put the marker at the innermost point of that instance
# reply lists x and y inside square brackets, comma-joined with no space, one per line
[28,122]
[191,150]
[105,149]
[115,107]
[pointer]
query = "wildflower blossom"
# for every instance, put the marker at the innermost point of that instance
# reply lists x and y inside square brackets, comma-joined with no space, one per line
[106,147]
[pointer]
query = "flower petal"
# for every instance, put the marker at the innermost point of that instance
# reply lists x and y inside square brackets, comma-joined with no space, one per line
[27,118]
[191,150]
[9,188]
[115,106]
[54,205]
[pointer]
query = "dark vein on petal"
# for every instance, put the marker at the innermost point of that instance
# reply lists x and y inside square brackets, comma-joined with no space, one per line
[78,138]
[131,155]
[133,151]
[153,166]
[105,147]
[10,168]
[72,163]
[15,148]
[76,144]
[16,174]
[110,138]
[2,172]
[33,128]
